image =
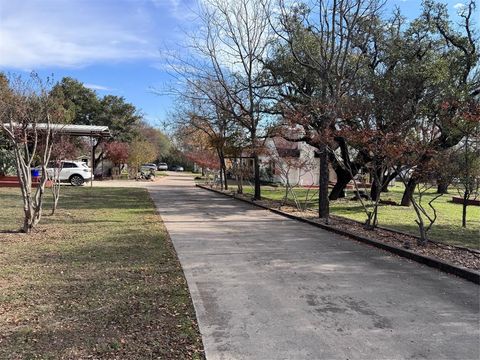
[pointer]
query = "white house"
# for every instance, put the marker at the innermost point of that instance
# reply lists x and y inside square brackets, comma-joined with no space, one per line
[295,162]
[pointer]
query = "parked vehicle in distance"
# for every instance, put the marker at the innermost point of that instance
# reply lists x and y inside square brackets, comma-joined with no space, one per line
[148,166]
[162,167]
[74,172]
[176,168]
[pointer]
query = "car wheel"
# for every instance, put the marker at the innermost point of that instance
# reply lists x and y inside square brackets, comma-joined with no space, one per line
[76,180]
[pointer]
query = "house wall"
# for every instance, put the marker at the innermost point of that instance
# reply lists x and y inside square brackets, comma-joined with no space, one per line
[301,177]
[307,178]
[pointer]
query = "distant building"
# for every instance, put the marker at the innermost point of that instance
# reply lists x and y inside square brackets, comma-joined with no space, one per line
[282,160]
[295,161]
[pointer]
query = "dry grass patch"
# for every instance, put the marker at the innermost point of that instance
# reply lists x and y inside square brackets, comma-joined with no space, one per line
[99,280]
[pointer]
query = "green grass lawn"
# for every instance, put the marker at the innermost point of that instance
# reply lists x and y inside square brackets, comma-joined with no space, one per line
[100,279]
[447,228]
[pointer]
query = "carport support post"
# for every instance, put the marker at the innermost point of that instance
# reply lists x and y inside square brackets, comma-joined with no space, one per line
[93,160]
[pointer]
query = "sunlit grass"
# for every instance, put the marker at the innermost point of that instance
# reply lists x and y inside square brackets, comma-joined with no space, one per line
[447,227]
[99,279]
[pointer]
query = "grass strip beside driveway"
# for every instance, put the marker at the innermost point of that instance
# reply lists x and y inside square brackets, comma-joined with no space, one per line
[447,228]
[100,279]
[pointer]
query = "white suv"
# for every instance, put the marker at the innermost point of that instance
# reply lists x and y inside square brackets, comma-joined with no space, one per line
[162,167]
[74,172]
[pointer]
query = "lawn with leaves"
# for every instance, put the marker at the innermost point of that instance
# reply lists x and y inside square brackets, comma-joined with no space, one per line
[100,279]
[447,227]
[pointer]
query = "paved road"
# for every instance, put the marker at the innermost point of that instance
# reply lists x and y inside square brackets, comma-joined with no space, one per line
[265,287]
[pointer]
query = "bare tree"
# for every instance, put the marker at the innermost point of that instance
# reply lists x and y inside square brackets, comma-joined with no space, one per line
[28,112]
[56,184]
[201,107]
[229,50]
[410,153]
[426,216]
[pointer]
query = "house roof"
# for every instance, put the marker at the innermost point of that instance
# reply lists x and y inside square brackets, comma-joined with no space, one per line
[286,148]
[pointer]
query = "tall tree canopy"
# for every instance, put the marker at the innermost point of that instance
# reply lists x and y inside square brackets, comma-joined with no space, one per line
[124,120]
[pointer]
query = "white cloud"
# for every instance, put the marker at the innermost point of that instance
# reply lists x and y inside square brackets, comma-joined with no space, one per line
[98,87]
[74,33]
[459,6]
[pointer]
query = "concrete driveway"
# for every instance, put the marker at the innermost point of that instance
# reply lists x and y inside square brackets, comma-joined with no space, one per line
[266,287]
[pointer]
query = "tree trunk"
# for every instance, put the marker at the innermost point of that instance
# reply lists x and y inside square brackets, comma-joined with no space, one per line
[224,170]
[422,241]
[408,193]
[27,221]
[221,178]
[343,175]
[256,164]
[56,196]
[423,234]
[323,204]
[374,189]
[225,177]
[442,187]
[24,176]
[388,180]
[55,189]
[39,197]
[466,195]
[287,187]
[343,178]
[380,180]
[33,205]
[96,160]
[240,179]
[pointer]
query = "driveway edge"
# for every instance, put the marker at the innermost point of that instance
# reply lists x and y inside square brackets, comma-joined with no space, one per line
[441,265]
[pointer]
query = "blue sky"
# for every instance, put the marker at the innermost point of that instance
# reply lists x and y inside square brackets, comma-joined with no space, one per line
[117,47]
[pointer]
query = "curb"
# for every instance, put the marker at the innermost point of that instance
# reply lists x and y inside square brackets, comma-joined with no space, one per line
[467,274]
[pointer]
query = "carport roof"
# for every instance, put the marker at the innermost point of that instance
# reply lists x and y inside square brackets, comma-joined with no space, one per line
[77,130]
